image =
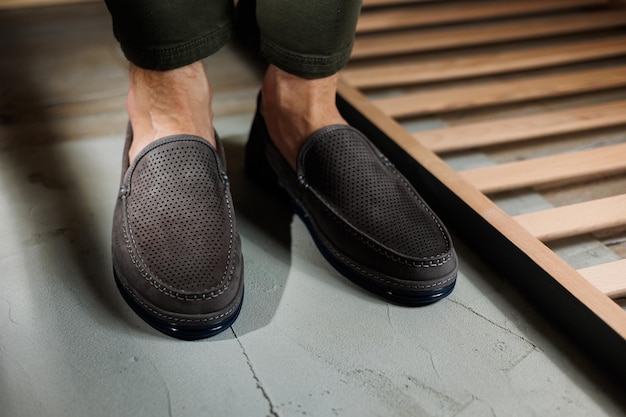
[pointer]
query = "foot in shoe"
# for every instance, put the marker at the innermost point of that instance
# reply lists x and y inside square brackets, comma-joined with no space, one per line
[367,220]
[177,257]
[176,252]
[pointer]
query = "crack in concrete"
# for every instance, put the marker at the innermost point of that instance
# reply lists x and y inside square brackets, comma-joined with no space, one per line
[9,314]
[473,400]
[390,320]
[432,363]
[259,385]
[533,347]
[168,395]
[494,323]
[520,360]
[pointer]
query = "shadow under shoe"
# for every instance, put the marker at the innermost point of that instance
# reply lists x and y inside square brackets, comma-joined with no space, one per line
[364,216]
[176,252]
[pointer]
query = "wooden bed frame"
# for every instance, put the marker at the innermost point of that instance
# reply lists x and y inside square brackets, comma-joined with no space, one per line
[507,75]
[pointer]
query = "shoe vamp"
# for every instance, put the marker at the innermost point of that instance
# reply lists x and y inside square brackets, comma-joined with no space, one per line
[375,200]
[179,214]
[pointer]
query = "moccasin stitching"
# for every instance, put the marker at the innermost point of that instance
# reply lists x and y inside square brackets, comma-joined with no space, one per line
[159,314]
[431,262]
[387,281]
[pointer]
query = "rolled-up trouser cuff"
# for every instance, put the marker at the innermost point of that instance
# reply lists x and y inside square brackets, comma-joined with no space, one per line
[176,56]
[168,34]
[304,65]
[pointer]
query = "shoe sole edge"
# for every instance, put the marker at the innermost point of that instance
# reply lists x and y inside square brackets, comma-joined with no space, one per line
[178,331]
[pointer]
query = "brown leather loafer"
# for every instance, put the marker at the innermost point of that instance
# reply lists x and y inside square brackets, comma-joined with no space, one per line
[176,251]
[365,217]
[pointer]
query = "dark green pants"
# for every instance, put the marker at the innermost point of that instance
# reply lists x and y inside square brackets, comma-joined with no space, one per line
[307,38]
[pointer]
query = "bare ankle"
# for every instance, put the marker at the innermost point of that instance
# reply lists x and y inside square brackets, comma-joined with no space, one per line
[163,103]
[294,108]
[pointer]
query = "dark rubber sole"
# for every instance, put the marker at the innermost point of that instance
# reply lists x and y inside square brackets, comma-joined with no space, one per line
[178,331]
[405,298]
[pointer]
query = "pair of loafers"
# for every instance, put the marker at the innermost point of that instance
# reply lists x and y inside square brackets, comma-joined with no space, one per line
[177,254]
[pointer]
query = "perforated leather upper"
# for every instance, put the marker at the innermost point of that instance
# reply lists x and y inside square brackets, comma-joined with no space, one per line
[368,193]
[180,217]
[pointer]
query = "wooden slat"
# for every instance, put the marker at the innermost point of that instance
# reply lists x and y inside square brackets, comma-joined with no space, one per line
[576,219]
[515,129]
[540,171]
[385,44]
[610,278]
[424,15]
[500,92]
[377,3]
[19,4]
[419,71]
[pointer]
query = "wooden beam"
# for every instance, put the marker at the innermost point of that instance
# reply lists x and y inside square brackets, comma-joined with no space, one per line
[501,92]
[378,3]
[576,219]
[610,278]
[567,167]
[418,70]
[451,12]
[386,44]
[22,4]
[495,132]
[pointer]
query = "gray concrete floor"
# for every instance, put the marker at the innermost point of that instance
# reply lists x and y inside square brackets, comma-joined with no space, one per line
[308,342]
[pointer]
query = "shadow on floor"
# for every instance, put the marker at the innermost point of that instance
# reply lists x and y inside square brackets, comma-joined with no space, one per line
[265,225]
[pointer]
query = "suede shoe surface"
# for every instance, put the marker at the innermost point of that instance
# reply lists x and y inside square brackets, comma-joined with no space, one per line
[365,217]
[176,251]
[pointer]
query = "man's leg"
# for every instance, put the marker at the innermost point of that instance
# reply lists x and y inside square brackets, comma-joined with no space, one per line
[176,252]
[306,45]
[165,41]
